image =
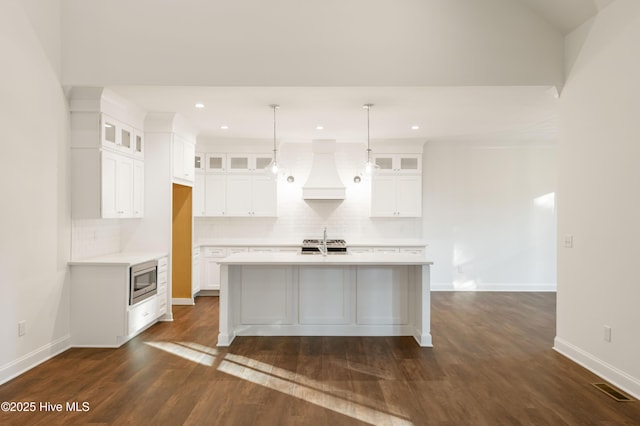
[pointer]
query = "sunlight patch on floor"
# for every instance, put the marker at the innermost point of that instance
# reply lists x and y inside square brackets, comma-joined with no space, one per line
[190,351]
[309,390]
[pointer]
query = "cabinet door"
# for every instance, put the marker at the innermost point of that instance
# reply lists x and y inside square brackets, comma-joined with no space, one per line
[384,162]
[109,131]
[409,196]
[125,187]
[261,161]
[215,195]
[138,143]
[409,163]
[238,163]
[109,185]
[383,196]
[138,188]
[239,195]
[264,196]
[212,275]
[126,138]
[178,158]
[216,162]
[199,194]
[189,162]
[198,162]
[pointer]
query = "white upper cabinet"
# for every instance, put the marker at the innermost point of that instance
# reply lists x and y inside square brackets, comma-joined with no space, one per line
[117,185]
[198,162]
[183,160]
[251,195]
[216,162]
[138,143]
[244,163]
[396,196]
[398,163]
[138,189]
[209,195]
[121,137]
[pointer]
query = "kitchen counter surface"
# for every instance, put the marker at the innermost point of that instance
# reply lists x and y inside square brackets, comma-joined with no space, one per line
[334,259]
[298,243]
[125,259]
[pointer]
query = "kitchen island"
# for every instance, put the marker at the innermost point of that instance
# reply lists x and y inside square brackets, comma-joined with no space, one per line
[290,294]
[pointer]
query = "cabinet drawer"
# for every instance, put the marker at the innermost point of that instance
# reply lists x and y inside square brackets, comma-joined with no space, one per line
[162,264]
[162,278]
[142,314]
[386,250]
[162,303]
[215,252]
[419,251]
[233,250]
[356,250]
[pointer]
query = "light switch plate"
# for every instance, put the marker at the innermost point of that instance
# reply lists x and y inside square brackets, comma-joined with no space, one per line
[568,241]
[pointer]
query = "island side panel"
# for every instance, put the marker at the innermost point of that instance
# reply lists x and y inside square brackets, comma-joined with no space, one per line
[226,326]
[422,283]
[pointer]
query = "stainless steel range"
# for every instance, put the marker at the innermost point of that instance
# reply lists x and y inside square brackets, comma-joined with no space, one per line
[316,246]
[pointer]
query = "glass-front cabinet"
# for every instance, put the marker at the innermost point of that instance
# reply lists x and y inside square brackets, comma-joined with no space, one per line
[244,163]
[398,163]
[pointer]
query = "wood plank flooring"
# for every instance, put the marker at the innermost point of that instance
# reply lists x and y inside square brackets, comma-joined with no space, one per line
[491,364]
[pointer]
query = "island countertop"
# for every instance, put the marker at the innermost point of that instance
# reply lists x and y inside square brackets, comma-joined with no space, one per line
[332,259]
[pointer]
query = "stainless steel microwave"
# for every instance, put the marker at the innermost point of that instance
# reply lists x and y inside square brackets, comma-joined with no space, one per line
[143,281]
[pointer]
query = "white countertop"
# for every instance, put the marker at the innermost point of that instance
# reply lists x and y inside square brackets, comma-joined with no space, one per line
[298,243]
[335,259]
[124,259]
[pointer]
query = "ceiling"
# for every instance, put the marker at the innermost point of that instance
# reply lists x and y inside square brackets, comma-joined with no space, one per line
[504,113]
[440,112]
[566,15]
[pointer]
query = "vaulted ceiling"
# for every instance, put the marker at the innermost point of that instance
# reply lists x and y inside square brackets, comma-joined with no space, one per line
[455,68]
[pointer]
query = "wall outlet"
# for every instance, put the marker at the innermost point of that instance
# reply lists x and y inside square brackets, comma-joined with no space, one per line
[607,333]
[568,241]
[22,328]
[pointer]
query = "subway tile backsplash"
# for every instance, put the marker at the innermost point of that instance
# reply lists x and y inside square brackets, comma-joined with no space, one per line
[94,237]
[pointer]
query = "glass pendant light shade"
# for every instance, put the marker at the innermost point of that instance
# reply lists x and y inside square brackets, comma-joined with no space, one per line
[369,166]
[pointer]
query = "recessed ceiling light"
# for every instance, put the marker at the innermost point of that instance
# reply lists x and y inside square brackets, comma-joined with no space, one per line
[199,105]
[224,127]
[415,127]
[319,127]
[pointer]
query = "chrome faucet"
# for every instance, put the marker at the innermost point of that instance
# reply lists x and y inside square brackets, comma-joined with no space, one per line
[323,248]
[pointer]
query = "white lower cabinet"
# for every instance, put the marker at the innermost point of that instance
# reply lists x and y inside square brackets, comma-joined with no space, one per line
[195,271]
[100,312]
[163,279]
[142,314]
[210,268]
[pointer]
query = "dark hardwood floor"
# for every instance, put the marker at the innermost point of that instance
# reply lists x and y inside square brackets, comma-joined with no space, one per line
[491,364]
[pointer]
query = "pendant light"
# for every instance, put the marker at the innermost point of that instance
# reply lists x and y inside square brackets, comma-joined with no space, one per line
[369,166]
[274,167]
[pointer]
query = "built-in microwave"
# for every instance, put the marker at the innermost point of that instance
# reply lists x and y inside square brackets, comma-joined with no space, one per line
[143,281]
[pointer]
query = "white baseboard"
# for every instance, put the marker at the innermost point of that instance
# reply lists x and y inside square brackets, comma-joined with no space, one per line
[27,362]
[608,372]
[537,287]
[187,301]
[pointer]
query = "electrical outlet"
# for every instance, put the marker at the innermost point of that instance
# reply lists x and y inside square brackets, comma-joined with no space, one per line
[22,328]
[568,241]
[607,333]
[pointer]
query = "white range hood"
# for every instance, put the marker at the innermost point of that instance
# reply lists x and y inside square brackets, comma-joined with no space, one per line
[324,182]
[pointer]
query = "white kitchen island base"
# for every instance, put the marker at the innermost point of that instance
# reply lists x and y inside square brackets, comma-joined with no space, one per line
[285,294]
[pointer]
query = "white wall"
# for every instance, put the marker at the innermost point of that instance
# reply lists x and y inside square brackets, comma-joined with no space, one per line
[489,214]
[34,183]
[298,218]
[599,196]
[308,43]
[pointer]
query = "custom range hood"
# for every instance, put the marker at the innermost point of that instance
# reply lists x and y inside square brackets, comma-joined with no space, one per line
[324,182]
